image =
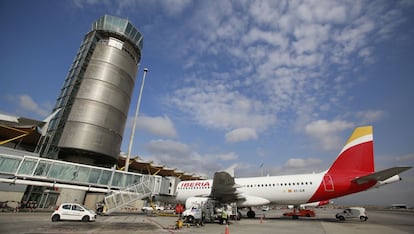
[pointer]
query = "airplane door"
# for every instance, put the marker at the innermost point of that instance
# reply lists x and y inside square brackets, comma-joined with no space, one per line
[328,183]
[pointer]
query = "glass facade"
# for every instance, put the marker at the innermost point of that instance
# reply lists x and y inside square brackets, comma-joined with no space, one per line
[66,172]
[121,26]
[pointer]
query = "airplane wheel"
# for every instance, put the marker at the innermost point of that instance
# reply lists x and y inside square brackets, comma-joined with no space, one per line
[251,214]
[190,219]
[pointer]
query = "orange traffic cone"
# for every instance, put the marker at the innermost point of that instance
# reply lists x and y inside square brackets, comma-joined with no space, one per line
[226,230]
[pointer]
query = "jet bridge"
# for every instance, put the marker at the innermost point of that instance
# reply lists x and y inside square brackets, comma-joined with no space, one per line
[121,188]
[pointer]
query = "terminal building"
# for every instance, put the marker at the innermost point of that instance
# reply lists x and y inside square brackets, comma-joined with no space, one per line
[74,154]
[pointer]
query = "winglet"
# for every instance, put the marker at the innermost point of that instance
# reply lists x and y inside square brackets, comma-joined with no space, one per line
[230,170]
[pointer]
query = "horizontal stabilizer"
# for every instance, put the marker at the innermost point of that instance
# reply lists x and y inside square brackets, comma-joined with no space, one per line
[380,175]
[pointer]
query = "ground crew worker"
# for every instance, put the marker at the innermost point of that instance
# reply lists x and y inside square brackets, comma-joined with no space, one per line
[179,209]
[224,216]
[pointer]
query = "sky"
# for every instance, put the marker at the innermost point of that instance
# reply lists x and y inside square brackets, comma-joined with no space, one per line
[274,87]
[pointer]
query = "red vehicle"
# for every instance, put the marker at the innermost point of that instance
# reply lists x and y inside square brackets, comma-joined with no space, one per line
[300,213]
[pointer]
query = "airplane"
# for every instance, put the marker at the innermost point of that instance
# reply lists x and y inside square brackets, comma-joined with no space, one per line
[352,172]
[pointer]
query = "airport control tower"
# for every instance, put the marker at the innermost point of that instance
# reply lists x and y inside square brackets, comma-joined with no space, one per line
[95,97]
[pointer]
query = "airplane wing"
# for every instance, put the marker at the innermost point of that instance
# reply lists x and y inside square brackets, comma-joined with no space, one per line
[380,175]
[224,188]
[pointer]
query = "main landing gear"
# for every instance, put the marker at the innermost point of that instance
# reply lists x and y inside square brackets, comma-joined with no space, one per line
[251,214]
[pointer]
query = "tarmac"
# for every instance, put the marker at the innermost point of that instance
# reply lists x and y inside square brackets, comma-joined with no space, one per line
[380,221]
[272,221]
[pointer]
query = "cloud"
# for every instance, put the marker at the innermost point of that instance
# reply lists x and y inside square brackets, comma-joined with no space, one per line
[226,156]
[182,156]
[256,35]
[27,103]
[218,105]
[83,3]
[286,51]
[327,133]
[174,7]
[406,158]
[158,126]
[292,166]
[369,116]
[27,107]
[169,7]
[241,134]
[302,163]
[166,147]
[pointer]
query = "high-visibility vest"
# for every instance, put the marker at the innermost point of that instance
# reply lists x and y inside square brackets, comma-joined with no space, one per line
[224,214]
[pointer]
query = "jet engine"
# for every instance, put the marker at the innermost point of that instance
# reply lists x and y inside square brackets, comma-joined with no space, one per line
[249,201]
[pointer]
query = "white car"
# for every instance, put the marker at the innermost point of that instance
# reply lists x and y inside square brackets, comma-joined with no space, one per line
[149,208]
[352,212]
[73,211]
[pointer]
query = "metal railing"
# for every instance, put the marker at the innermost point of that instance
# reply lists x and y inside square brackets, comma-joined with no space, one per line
[56,171]
[118,199]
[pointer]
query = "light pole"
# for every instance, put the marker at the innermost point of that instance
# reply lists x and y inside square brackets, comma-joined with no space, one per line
[135,121]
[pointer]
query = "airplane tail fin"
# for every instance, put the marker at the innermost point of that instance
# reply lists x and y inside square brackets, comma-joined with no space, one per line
[357,156]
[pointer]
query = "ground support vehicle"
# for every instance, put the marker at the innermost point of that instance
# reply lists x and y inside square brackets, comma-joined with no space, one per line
[194,216]
[296,213]
[352,213]
[151,208]
[209,211]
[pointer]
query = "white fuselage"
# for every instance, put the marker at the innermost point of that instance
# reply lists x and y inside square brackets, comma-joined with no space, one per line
[289,189]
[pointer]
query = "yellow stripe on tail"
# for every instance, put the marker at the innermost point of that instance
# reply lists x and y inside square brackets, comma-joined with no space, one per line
[360,132]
